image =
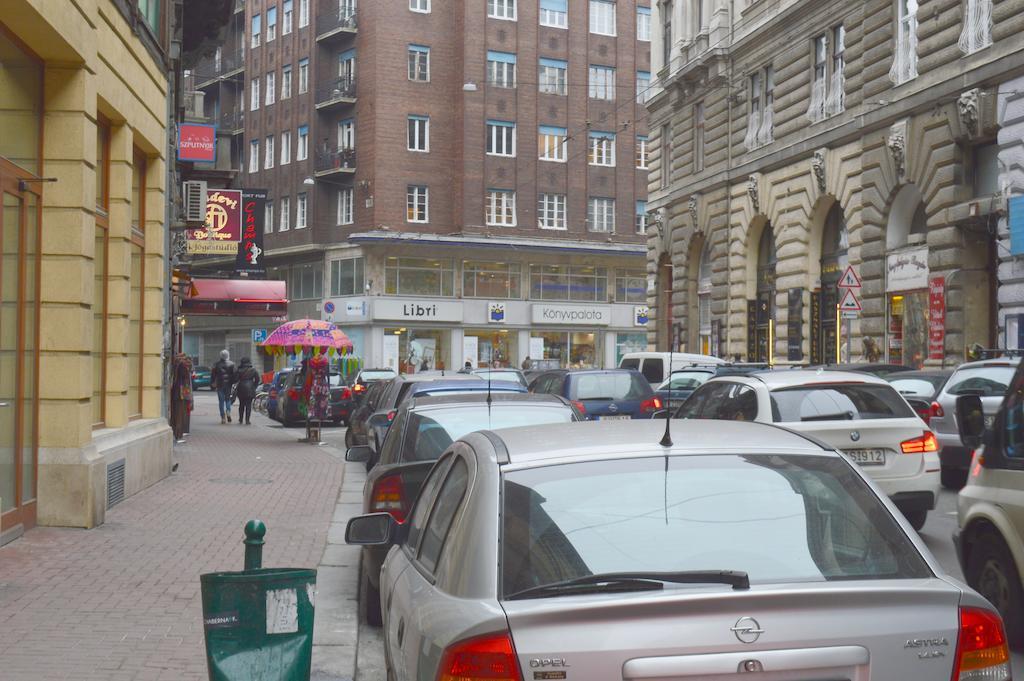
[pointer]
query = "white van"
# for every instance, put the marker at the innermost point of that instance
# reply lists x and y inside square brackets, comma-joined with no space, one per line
[653,365]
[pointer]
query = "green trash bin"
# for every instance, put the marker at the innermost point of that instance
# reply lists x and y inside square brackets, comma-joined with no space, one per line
[259,622]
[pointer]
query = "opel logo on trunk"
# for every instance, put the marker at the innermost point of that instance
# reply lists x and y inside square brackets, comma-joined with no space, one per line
[747,630]
[855,435]
[613,407]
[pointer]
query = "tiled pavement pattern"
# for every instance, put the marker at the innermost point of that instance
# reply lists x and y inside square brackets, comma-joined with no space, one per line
[122,601]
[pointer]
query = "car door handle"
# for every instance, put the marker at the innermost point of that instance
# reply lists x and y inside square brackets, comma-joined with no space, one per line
[401,631]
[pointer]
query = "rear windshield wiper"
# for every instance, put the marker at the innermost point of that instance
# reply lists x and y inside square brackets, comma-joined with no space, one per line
[841,416]
[634,581]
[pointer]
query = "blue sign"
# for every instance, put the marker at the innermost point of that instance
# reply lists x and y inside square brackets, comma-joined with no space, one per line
[1017,225]
[329,307]
[259,335]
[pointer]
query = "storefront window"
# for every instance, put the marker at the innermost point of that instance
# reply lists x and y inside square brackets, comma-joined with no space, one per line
[306,282]
[630,286]
[908,328]
[704,300]
[563,282]
[21,88]
[490,279]
[572,349]
[347,277]
[413,350]
[418,277]
[490,348]
[629,342]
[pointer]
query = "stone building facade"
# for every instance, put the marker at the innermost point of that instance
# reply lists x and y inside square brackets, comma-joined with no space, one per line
[790,140]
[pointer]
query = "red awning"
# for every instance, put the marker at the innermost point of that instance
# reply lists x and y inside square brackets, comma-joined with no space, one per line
[242,297]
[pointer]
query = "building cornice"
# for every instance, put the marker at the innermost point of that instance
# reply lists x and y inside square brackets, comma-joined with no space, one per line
[490,242]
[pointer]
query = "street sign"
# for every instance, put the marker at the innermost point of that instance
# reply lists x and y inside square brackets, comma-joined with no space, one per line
[850,303]
[849,279]
[259,335]
[850,315]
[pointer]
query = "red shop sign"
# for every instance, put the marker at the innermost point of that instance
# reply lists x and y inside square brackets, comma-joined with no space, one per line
[197,142]
[936,318]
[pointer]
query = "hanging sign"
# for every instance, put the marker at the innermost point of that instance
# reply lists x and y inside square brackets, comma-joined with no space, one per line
[849,279]
[937,318]
[249,260]
[223,229]
[850,303]
[197,142]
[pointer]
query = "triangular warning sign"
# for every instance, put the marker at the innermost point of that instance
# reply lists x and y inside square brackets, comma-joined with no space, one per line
[850,302]
[849,278]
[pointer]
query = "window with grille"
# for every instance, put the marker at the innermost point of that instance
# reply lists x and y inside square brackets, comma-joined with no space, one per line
[601,214]
[500,208]
[552,143]
[551,211]
[601,151]
[977,31]
[904,61]
[501,138]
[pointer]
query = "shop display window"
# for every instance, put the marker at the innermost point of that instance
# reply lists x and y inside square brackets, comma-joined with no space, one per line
[572,349]
[481,279]
[908,328]
[495,348]
[411,351]
[564,282]
[419,277]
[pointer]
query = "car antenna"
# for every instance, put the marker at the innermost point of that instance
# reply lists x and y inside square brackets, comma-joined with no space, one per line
[666,439]
[489,400]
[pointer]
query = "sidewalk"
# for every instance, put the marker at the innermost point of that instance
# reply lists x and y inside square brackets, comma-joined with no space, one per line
[122,601]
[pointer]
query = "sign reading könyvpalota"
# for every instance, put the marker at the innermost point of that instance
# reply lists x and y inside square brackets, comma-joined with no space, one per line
[223,229]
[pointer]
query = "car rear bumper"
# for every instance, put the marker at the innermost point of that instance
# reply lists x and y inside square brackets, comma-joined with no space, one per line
[914,501]
[956,457]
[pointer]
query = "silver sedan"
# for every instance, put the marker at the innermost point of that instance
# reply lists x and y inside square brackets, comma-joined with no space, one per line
[601,551]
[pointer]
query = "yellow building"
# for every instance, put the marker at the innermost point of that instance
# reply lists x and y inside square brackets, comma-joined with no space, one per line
[83,139]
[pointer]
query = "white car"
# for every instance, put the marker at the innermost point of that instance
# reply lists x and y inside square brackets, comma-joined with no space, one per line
[858,414]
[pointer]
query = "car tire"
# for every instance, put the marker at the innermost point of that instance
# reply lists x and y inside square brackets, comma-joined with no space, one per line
[371,604]
[953,478]
[992,572]
[916,518]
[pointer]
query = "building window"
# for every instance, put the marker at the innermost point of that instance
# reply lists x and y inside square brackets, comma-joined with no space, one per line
[271,78]
[268,153]
[602,82]
[419,5]
[501,69]
[666,34]
[101,264]
[347,134]
[306,282]
[666,155]
[303,76]
[601,214]
[417,203]
[977,31]
[641,217]
[835,101]
[502,9]
[552,77]
[136,286]
[268,215]
[554,13]
[904,61]
[254,156]
[643,86]
[254,94]
[286,147]
[602,17]
[286,81]
[149,10]
[551,211]
[643,24]
[630,286]
[828,78]
[601,150]
[419,63]
[500,208]
[419,277]
[761,119]
[271,23]
[300,211]
[490,279]
[641,152]
[698,137]
[256,22]
[551,143]
[302,152]
[286,214]
[303,13]
[286,18]
[419,133]
[345,198]
[501,138]
[347,277]
[567,282]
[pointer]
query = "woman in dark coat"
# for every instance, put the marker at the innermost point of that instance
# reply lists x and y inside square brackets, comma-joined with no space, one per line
[248,379]
[181,395]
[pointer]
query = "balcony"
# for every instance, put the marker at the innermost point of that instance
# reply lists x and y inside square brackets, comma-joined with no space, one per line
[337,91]
[218,67]
[335,164]
[334,24]
[231,122]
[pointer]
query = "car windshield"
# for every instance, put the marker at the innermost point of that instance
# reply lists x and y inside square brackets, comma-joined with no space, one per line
[610,386]
[700,513]
[376,375]
[686,380]
[919,386]
[986,381]
[430,433]
[842,401]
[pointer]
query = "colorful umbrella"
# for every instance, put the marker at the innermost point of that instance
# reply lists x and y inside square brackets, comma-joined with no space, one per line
[317,335]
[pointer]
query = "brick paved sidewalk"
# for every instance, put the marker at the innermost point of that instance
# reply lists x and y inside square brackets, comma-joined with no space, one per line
[122,601]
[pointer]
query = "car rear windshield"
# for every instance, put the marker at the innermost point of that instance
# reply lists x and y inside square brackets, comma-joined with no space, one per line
[631,363]
[686,380]
[430,433]
[376,375]
[778,518]
[986,381]
[838,402]
[610,386]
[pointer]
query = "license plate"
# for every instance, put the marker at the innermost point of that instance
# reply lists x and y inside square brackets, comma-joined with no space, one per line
[989,420]
[618,417]
[867,457]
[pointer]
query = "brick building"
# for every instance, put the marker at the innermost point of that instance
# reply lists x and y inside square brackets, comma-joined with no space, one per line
[429,151]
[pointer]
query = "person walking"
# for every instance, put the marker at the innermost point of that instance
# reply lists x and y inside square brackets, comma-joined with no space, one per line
[224,376]
[248,378]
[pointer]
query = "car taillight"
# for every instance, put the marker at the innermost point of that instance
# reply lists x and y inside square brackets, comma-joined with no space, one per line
[293,394]
[981,652]
[490,657]
[920,445]
[358,387]
[936,411]
[580,407]
[387,497]
[391,415]
[194,375]
[346,394]
[653,404]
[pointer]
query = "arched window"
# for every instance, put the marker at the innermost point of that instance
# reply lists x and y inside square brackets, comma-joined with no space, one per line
[835,242]
[764,305]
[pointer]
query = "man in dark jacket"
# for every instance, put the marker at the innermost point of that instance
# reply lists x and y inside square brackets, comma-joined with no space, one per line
[224,376]
[248,379]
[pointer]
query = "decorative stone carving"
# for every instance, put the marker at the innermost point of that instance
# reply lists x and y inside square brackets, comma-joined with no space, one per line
[967,107]
[897,144]
[755,200]
[818,167]
[693,210]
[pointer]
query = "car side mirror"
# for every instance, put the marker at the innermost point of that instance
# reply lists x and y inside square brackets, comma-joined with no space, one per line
[373,529]
[970,417]
[359,453]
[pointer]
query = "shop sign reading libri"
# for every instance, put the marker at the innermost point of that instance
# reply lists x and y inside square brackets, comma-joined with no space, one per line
[223,229]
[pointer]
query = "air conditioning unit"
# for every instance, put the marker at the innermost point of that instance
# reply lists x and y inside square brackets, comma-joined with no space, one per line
[194,193]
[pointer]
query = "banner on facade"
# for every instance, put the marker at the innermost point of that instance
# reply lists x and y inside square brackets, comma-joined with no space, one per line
[1016,209]
[197,142]
[937,318]
[223,229]
[795,325]
[250,249]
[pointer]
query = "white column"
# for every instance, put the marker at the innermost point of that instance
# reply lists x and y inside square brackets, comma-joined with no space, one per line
[456,361]
[609,349]
[524,346]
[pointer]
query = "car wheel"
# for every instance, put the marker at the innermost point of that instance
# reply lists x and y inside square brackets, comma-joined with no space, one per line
[916,518]
[953,478]
[990,570]
[371,607]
